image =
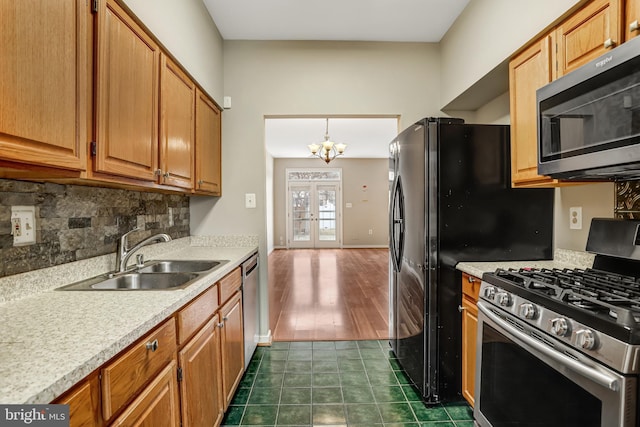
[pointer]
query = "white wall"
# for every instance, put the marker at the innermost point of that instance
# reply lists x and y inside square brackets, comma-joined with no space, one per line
[297,78]
[486,34]
[186,29]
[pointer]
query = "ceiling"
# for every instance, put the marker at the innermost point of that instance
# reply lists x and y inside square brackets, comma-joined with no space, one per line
[365,137]
[360,20]
[337,20]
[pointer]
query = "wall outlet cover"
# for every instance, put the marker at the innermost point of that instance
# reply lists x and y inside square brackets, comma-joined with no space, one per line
[575,218]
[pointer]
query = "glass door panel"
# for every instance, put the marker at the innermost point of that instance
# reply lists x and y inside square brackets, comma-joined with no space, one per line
[301,216]
[314,215]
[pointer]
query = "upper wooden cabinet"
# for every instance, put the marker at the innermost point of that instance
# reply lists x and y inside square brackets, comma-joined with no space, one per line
[589,33]
[128,64]
[208,146]
[528,71]
[632,19]
[45,83]
[177,125]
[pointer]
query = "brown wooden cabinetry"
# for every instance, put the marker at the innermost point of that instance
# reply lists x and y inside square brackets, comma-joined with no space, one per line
[528,71]
[469,309]
[632,19]
[128,64]
[157,405]
[177,125]
[589,33]
[232,345]
[45,84]
[208,146]
[84,404]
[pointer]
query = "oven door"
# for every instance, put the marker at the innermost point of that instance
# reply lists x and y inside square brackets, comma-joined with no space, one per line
[526,379]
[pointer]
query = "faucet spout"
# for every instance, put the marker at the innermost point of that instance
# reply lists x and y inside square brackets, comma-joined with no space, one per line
[123,252]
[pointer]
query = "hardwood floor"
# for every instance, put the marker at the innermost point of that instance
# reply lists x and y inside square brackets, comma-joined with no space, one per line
[329,294]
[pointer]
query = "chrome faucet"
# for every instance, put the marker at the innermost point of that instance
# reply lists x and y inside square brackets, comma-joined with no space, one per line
[123,252]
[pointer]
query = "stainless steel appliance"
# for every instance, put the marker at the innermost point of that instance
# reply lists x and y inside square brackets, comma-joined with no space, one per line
[451,201]
[561,347]
[250,306]
[589,120]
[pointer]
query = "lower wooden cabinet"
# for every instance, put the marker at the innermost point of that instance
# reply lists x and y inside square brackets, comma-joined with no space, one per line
[469,309]
[232,344]
[84,404]
[157,405]
[200,380]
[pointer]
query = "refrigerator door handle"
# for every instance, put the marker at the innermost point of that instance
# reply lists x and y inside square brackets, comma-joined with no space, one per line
[397,224]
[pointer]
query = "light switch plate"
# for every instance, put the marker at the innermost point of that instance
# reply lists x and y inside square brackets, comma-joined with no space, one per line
[250,200]
[23,225]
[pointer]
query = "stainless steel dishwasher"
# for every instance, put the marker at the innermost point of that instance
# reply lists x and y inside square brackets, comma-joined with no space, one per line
[250,305]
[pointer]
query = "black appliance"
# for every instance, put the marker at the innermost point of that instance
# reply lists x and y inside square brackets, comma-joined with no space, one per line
[561,347]
[589,120]
[451,201]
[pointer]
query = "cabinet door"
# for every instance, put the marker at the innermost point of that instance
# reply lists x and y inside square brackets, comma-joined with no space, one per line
[45,70]
[84,404]
[632,19]
[469,336]
[232,346]
[128,64]
[208,146]
[528,71]
[157,405]
[177,129]
[201,385]
[589,33]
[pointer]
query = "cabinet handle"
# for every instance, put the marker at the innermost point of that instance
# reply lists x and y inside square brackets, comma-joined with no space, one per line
[166,175]
[158,172]
[200,182]
[221,325]
[609,43]
[471,279]
[634,26]
[461,308]
[225,318]
[152,345]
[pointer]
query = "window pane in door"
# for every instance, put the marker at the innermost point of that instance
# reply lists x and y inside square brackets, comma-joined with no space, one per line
[327,214]
[301,211]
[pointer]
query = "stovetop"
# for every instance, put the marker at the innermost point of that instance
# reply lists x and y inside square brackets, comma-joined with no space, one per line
[605,301]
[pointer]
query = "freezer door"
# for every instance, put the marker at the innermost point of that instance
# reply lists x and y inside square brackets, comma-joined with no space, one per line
[408,229]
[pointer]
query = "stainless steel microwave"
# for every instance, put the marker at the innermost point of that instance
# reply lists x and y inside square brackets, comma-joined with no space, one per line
[589,120]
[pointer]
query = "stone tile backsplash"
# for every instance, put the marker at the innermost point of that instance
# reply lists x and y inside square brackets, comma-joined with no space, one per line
[627,200]
[76,222]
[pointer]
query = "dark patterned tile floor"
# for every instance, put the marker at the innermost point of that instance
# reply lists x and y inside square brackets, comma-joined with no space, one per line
[334,383]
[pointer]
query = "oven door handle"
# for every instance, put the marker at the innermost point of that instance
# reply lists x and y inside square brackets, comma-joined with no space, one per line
[594,375]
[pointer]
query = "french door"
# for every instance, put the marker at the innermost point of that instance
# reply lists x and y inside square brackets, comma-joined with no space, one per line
[314,215]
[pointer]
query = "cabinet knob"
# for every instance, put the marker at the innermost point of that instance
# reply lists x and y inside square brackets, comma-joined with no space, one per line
[634,26]
[221,325]
[152,345]
[225,318]
[200,182]
[461,308]
[471,279]
[165,175]
[609,43]
[158,172]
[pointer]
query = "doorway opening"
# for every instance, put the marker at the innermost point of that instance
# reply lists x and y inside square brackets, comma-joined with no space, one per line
[314,217]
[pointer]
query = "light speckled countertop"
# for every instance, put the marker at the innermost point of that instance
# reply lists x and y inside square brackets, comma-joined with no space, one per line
[562,258]
[50,340]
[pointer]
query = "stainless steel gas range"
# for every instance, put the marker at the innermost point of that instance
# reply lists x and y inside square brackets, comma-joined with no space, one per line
[561,347]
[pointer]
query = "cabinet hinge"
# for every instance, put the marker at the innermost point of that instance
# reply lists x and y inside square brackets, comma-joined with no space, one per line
[93,148]
[94,6]
[179,374]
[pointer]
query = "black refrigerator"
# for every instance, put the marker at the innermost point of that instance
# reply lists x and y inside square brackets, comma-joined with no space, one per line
[451,201]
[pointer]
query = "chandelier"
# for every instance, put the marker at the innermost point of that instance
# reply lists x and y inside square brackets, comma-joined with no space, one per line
[327,150]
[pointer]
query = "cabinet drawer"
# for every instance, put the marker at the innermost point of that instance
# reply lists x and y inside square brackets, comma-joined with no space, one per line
[471,286]
[123,377]
[196,313]
[229,284]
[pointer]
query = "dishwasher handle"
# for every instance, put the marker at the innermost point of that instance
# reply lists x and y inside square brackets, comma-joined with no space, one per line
[250,265]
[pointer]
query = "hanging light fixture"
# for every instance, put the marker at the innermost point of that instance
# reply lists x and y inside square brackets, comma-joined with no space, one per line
[327,150]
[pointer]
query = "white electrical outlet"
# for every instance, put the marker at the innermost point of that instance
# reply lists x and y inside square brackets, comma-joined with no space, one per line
[575,218]
[170,217]
[250,200]
[23,225]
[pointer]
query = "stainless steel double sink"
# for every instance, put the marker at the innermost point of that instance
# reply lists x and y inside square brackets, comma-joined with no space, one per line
[154,275]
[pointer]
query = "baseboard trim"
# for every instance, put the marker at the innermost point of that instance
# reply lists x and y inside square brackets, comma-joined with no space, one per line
[265,340]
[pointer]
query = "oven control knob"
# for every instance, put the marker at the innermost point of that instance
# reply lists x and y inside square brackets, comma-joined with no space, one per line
[586,339]
[504,299]
[560,326]
[490,292]
[528,311]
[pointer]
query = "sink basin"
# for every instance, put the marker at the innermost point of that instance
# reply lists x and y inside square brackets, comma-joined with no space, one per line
[134,281]
[179,266]
[157,275]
